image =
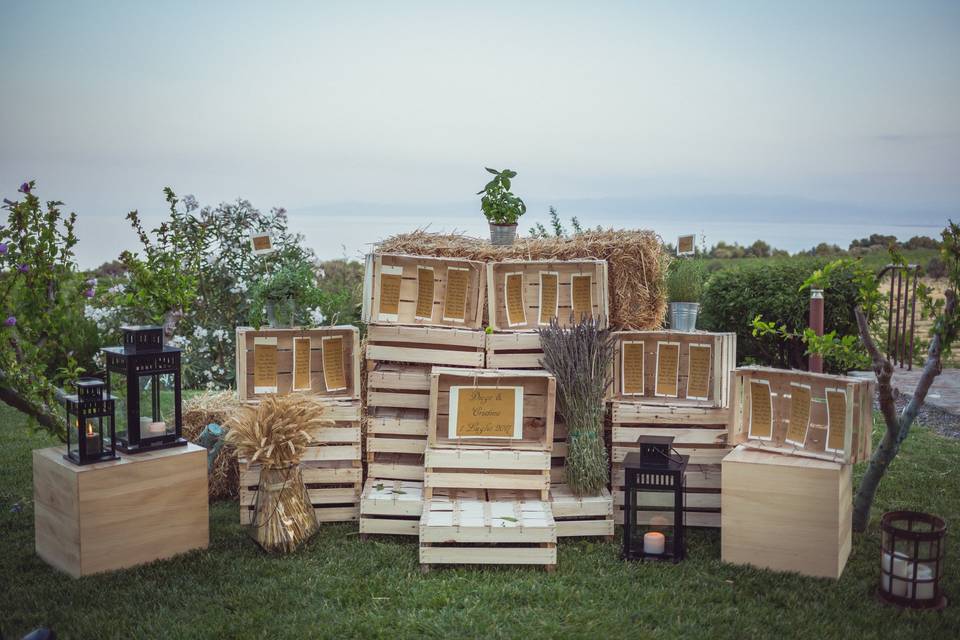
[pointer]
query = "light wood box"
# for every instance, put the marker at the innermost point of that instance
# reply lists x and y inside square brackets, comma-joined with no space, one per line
[398,401]
[113,515]
[786,513]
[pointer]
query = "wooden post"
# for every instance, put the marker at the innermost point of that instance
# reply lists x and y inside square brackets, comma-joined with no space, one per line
[816,323]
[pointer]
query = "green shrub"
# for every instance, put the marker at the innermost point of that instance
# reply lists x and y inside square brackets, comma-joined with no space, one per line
[734,297]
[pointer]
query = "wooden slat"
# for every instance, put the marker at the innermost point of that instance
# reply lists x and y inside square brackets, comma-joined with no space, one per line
[680,436]
[537,482]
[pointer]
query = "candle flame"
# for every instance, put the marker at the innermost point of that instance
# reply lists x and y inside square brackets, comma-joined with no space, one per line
[89,428]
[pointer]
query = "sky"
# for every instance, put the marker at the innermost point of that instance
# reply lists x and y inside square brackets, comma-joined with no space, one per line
[791,122]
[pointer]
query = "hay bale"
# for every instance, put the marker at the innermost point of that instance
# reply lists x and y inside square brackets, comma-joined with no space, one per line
[635,261]
[198,412]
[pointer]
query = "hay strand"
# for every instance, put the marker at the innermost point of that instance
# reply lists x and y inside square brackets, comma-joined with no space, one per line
[198,412]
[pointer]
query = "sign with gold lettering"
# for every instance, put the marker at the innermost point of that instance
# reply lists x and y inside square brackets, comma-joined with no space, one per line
[631,368]
[668,369]
[455,300]
[698,372]
[262,243]
[685,245]
[836,419]
[301,364]
[799,414]
[391,277]
[486,412]
[265,365]
[516,313]
[761,410]
[581,292]
[549,287]
[424,293]
[333,376]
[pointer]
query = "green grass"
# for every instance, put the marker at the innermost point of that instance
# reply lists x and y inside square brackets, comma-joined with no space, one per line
[339,586]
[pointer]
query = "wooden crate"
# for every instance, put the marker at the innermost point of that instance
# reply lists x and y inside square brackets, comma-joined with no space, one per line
[786,513]
[845,436]
[391,507]
[520,293]
[698,432]
[472,468]
[581,515]
[425,345]
[514,350]
[538,406]
[415,290]
[119,514]
[398,399]
[279,354]
[487,527]
[669,381]
[331,465]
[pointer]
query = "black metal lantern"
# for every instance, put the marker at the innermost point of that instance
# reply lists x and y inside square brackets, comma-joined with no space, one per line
[911,559]
[90,426]
[654,480]
[144,376]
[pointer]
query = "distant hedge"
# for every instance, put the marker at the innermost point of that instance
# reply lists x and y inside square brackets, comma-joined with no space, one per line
[733,297]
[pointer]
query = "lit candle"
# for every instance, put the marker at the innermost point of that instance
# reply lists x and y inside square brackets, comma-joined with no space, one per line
[654,542]
[93,440]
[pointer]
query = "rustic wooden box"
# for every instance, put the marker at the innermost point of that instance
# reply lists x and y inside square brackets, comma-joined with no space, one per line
[332,469]
[848,427]
[398,400]
[425,345]
[415,290]
[391,507]
[713,355]
[321,340]
[527,295]
[487,469]
[119,514]
[581,515]
[786,513]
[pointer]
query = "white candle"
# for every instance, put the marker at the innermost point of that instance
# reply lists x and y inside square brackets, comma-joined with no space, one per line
[902,568]
[157,428]
[654,542]
[145,426]
[924,589]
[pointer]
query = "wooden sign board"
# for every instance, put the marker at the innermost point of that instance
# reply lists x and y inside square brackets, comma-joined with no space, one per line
[261,243]
[486,411]
[686,245]
[265,365]
[423,290]
[526,295]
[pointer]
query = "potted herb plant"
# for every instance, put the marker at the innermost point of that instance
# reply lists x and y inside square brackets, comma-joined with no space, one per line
[284,296]
[501,208]
[684,287]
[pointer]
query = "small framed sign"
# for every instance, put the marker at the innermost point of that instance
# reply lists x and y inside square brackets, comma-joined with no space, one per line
[836,419]
[800,398]
[486,412]
[425,286]
[761,410]
[391,278]
[685,245]
[698,371]
[265,365]
[516,312]
[455,299]
[631,368]
[262,243]
[668,370]
[549,296]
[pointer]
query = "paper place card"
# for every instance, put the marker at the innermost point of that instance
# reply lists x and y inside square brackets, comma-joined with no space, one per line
[631,368]
[668,369]
[800,399]
[698,372]
[761,410]
[425,284]
[516,313]
[685,245]
[455,300]
[301,364]
[264,365]
[486,412]
[549,296]
[391,277]
[836,419]
[262,243]
[581,291]
[333,376]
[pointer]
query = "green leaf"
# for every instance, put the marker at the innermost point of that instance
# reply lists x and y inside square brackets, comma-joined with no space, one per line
[493,171]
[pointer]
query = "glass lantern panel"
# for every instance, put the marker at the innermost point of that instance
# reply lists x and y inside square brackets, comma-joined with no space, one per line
[118,388]
[73,436]
[655,515]
[157,405]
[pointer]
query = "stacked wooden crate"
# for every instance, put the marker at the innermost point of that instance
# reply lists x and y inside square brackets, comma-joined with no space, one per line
[524,296]
[323,362]
[421,312]
[670,383]
[490,434]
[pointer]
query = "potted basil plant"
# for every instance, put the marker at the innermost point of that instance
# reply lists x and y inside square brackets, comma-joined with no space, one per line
[684,287]
[285,296]
[501,208]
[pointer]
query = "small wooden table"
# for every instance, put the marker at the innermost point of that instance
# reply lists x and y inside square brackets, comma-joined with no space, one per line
[122,513]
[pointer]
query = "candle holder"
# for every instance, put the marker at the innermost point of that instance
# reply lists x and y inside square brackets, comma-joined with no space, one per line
[90,424]
[144,375]
[653,512]
[911,560]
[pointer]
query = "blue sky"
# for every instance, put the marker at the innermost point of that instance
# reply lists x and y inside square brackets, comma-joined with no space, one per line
[369,118]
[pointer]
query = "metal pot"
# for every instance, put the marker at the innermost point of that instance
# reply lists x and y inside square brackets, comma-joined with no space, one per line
[502,234]
[683,315]
[282,314]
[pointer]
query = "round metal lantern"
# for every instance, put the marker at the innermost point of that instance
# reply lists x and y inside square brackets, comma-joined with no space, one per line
[911,560]
[90,425]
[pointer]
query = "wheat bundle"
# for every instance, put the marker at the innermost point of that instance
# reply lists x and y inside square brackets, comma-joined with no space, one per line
[580,358]
[274,434]
[201,410]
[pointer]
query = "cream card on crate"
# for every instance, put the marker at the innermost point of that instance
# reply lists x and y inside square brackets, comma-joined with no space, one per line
[455,300]
[631,368]
[549,296]
[333,376]
[800,398]
[836,419]
[301,364]
[391,277]
[516,313]
[486,412]
[265,365]
[581,292]
[425,287]
[668,369]
[761,410]
[698,372]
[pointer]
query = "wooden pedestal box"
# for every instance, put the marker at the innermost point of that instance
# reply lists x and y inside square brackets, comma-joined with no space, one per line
[786,513]
[119,514]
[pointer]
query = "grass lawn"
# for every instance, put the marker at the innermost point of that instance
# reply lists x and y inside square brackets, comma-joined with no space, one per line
[338,586]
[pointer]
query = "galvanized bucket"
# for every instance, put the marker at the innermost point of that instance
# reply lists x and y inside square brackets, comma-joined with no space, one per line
[502,234]
[683,315]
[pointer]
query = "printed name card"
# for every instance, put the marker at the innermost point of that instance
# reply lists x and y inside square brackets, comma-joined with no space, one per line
[301,364]
[424,293]
[333,376]
[668,369]
[582,296]
[761,410]
[390,280]
[486,412]
[836,419]
[631,368]
[265,365]
[685,245]
[262,243]
[698,372]
[549,288]
[516,314]
[799,414]
[455,300]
